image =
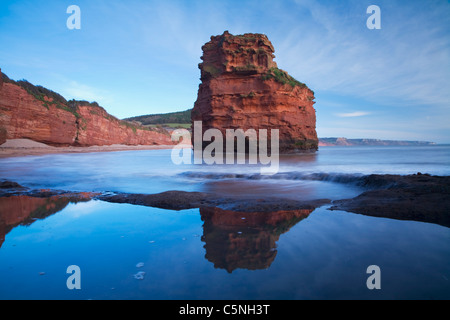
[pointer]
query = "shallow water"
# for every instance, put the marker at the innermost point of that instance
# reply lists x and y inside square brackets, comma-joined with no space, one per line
[323,255]
[213,253]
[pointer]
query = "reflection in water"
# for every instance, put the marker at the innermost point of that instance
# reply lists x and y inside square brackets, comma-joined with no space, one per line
[296,158]
[245,240]
[232,239]
[24,210]
[328,253]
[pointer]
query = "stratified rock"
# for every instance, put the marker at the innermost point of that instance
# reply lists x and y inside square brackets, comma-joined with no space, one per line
[23,116]
[98,127]
[242,88]
[2,135]
[36,113]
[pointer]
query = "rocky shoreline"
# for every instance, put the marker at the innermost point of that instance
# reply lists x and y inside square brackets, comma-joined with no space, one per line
[418,197]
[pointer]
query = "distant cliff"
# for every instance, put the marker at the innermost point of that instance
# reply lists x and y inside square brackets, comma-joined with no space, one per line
[34,112]
[369,142]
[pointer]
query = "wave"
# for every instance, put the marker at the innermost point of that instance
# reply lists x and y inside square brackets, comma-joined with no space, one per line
[357,179]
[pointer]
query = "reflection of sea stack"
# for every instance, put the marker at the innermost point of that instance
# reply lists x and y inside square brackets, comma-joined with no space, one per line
[245,240]
[242,88]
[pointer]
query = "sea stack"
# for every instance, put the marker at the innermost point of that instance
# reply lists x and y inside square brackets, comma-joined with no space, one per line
[242,88]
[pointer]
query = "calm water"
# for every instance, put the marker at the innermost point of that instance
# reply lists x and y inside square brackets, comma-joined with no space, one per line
[211,253]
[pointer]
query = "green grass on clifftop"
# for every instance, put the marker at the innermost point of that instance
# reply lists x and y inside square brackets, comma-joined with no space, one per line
[181,117]
[283,77]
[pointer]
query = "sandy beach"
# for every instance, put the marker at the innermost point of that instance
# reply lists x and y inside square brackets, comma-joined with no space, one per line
[27,147]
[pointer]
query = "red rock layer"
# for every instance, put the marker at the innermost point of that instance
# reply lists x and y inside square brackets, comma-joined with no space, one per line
[242,88]
[97,127]
[23,116]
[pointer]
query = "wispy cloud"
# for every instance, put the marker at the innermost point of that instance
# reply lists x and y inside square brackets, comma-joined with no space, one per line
[353,114]
[407,60]
[75,90]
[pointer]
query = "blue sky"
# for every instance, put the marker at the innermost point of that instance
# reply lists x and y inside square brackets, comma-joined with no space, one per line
[140,57]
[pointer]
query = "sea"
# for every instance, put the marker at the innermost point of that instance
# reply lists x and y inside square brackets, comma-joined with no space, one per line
[125,251]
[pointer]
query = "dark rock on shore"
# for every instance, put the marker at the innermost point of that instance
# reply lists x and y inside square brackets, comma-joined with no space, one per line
[13,189]
[172,200]
[418,197]
[5,185]
[180,200]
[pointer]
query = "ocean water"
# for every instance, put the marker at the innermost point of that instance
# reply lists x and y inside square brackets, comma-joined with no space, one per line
[152,171]
[213,253]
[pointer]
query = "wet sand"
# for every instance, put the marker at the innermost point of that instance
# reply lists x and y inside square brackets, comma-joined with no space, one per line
[26,147]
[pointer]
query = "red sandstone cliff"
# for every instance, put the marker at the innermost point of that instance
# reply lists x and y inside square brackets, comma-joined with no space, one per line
[97,127]
[44,116]
[243,88]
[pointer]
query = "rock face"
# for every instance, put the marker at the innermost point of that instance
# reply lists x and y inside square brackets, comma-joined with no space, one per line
[2,135]
[36,113]
[242,88]
[97,127]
